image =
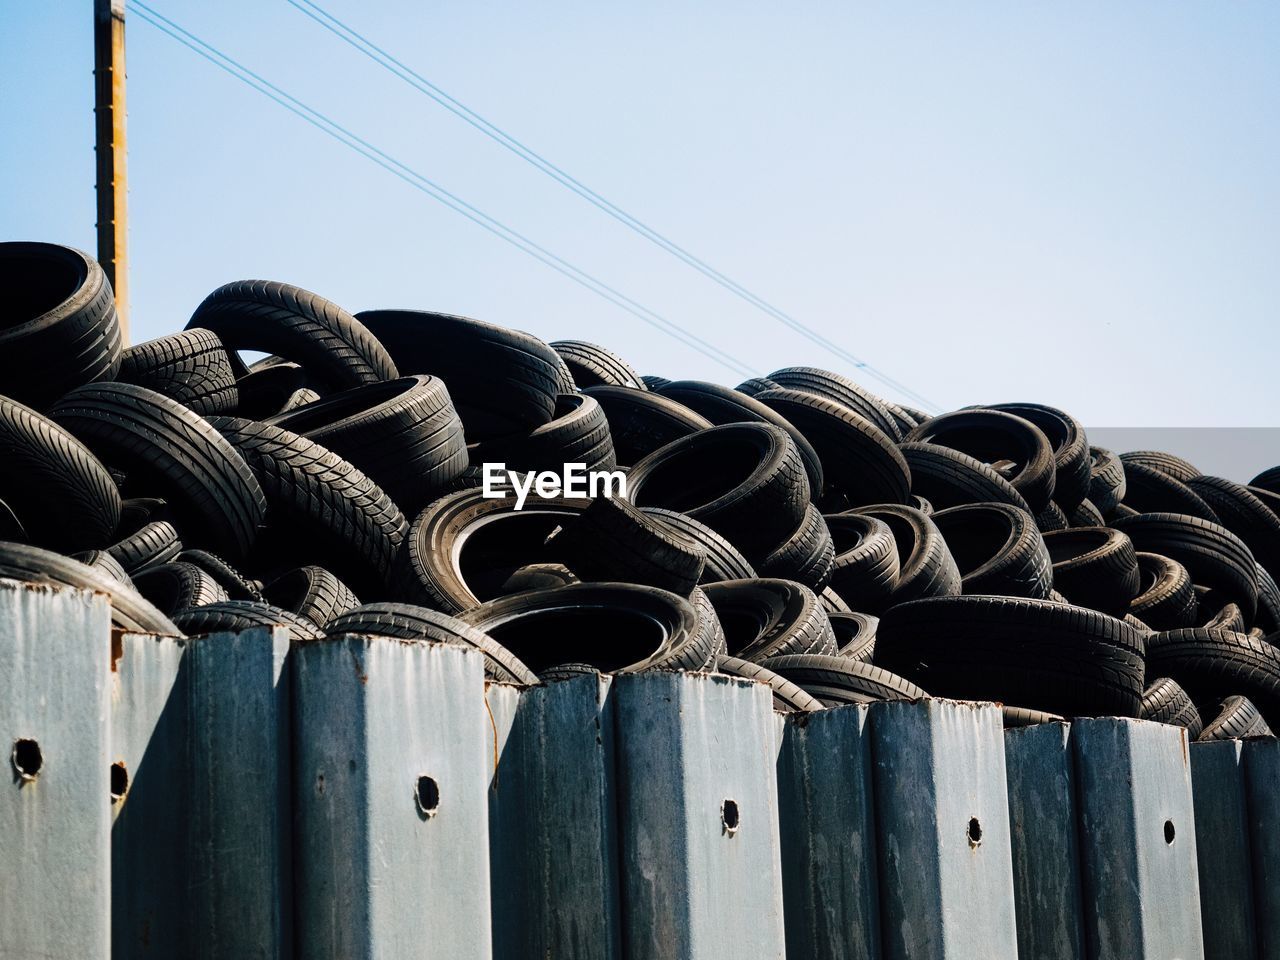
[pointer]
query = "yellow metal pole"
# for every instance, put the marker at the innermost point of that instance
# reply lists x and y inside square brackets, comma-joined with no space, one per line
[109,145]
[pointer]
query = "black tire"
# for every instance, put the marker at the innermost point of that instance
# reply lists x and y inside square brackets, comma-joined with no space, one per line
[925,565]
[921,504]
[992,436]
[949,478]
[404,434]
[578,433]
[129,610]
[1086,515]
[175,454]
[1212,554]
[641,422]
[1237,719]
[592,365]
[614,542]
[1228,617]
[861,464]
[537,576]
[615,627]
[787,696]
[336,350]
[1070,449]
[60,328]
[1023,717]
[1268,480]
[272,390]
[237,615]
[1062,658]
[105,562]
[192,368]
[11,529]
[177,586]
[1166,599]
[865,568]
[832,602]
[744,480]
[1268,613]
[61,495]
[1149,490]
[235,583]
[842,390]
[807,556]
[1166,463]
[502,381]
[322,509]
[1214,664]
[1245,515]
[722,405]
[724,560]
[1107,486]
[860,682]
[710,631]
[763,618]
[757,385]
[447,534]
[997,549]
[654,382]
[149,546]
[855,635]
[1095,567]
[405,621]
[1051,518]
[312,592]
[1164,701]
[137,512]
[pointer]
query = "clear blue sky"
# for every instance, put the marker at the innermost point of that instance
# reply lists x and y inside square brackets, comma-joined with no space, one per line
[1078,204]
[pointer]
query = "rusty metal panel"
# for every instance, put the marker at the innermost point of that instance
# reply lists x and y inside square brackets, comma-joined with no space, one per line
[1046,855]
[150,731]
[1137,840]
[946,876]
[552,831]
[55,814]
[392,763]
[1262,787]
[827,824]
[1222,850]
[697,818]
[240,861]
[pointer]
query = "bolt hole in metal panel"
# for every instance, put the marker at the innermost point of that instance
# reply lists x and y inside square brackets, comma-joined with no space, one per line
[392,761]
[942,826]
[55,647]
[1141,891]
[684,744]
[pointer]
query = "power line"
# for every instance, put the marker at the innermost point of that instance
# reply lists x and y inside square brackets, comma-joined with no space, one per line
[434,190]
[420,83]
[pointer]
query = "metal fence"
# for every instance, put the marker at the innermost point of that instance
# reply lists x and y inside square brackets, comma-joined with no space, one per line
[232,797]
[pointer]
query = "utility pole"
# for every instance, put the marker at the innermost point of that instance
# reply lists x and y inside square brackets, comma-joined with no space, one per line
[109,145]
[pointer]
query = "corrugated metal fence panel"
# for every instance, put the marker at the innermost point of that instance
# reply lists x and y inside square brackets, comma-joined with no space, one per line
[1046,856]
[55,857]
[1262,786]
[829,880]
[393,758]
[697,818]
[150,731]
[1222,850]
[946,883]
[1138,840]
[241,866]
[552,829]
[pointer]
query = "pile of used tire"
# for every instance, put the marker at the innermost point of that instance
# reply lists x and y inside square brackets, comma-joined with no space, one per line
[797,529]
